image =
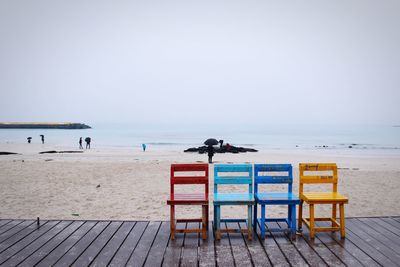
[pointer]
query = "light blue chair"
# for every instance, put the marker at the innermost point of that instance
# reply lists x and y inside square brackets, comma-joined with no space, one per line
[274,174]
[233,174]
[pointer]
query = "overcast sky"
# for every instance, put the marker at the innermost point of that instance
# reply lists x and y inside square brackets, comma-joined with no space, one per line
[234,61]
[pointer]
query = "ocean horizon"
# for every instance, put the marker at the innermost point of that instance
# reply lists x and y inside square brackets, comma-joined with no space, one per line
[193,135]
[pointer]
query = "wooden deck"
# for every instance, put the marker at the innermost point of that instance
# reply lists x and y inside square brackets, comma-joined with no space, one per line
[369,242]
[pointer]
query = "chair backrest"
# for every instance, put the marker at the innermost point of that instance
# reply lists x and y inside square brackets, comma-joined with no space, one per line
[184,174]
[233,174]
[314,178]
[266,174]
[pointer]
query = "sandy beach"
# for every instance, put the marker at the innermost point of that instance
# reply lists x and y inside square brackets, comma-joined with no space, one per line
[128,184]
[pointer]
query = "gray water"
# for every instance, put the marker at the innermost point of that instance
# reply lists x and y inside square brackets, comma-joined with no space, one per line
[189,135]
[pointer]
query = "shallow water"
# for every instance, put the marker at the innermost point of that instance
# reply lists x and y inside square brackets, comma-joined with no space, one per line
[189,135]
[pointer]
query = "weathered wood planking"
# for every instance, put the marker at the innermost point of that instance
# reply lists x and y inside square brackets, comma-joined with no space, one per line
[369,242]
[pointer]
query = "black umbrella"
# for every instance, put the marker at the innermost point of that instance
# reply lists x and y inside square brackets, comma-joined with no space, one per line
[211,142]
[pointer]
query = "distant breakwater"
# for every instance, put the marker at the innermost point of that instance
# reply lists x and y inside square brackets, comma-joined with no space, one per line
[39,125]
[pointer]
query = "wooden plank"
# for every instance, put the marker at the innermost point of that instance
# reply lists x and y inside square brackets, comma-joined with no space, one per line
[368,249]
[272,249]
[382,230]
[15,248]
[369,245]
[77,249]
[241,255]
[107,253]
[3,222]
[223,250]
[379,241]
[387,225]
[51,245]
[172,256]
[97,245]
[9,226]
[6,235]
[349,246]
[36,244]
[66,245]
[139,255]
[206,249]
[286,246]
[328,256]
[307,251]
[392,222]
[129,244]
[157,250]
[190,245]
[18,236]
[256,250]
[345,256]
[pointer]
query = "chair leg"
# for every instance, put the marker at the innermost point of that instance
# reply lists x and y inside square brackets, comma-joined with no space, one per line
[204,222]
[249,224]
[333,213]
[215,218]
[289,218]
[207,215]
[293,222]
[300,222]
[255,218]
[218,224]
[172,223]
[312,226]
[342,225]
[262,225]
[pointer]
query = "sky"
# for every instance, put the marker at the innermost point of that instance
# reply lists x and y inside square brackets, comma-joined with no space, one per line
[317,61]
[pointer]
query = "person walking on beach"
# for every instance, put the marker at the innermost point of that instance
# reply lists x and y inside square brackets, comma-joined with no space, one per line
[42,137]
[144,147]
[87,140]
[80,143]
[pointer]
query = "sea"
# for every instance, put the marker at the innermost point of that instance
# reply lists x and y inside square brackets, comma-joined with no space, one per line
[182,136]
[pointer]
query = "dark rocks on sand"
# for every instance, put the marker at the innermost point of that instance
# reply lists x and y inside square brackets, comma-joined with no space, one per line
[53,152]
[223,149]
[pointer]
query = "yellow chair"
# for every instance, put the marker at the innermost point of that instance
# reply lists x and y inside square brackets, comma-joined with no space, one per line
[313,198]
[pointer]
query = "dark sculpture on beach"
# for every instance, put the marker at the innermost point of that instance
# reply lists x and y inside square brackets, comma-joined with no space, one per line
[211,150]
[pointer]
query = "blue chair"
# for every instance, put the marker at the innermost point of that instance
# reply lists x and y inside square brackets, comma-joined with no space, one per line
[267,174]
[233,174]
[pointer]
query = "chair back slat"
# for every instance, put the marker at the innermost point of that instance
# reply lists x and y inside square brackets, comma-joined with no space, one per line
[189,174]
[260,178]
[233,174]
[314,178]
[267,174]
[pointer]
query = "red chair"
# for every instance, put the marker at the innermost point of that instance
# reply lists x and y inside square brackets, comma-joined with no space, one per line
[179,176]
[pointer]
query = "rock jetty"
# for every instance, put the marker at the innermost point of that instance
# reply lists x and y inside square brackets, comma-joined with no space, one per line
[43,125]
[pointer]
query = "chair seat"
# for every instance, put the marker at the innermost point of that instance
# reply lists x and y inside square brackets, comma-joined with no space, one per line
[187,199]
[234,198]
[276,198]
[323,197]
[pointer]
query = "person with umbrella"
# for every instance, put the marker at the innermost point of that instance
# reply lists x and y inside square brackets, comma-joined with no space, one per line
[210,149]
[29,139]
[88,140]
